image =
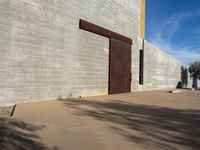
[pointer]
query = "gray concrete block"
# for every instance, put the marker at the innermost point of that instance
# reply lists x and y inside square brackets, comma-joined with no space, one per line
[44,54]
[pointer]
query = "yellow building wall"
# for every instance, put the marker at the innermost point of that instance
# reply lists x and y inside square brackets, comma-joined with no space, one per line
[142,19]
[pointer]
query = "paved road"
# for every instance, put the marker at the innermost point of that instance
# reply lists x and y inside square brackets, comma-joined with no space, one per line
[153,120]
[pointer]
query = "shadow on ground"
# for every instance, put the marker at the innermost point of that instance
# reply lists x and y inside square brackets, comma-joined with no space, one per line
[18,135]
[155,128]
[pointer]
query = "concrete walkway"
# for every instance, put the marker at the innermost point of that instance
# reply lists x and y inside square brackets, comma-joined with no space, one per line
[154,120]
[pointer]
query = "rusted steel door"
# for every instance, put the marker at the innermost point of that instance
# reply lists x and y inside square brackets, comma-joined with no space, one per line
[119,67]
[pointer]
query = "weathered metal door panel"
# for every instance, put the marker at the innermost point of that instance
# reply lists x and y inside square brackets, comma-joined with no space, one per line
[119,67]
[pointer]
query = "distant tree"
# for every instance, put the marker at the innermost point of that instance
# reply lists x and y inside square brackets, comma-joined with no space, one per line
[184,77]
[194,70]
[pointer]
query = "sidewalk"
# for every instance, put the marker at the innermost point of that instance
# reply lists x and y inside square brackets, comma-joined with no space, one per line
[154,120]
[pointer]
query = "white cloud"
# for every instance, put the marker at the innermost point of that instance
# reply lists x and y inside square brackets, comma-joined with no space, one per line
[184,54]
[174,22]
[187,51]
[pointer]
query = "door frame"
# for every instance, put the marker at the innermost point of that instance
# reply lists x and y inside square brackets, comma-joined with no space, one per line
[88,26]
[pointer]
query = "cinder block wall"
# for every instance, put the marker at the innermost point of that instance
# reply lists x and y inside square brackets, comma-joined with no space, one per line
[44,55]
[161,71]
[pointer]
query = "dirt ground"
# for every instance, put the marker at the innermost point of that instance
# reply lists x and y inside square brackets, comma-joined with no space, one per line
[152,120]
[6,111]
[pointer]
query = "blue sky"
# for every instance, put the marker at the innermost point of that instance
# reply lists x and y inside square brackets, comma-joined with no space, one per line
[174,26]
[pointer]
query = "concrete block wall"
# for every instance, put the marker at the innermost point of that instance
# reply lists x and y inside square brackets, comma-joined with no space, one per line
[190,83]
[44,54]
[161,71]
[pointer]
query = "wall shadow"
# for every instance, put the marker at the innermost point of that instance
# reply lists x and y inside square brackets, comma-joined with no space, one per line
[153,127]
[18,135]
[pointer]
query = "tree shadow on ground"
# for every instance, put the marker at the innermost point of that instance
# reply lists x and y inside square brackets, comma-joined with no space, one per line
[18,135]
[155,128]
